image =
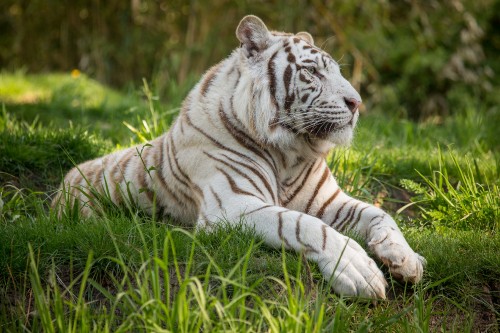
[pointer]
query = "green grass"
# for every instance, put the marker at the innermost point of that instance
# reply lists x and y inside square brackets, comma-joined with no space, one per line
[221,281]
[31,154]
[62,100]
[123,271]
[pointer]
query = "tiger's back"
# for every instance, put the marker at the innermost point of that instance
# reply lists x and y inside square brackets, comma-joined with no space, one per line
[159,175]
[213,132]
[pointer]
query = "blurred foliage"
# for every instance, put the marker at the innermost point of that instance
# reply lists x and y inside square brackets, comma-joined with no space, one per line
[412,58]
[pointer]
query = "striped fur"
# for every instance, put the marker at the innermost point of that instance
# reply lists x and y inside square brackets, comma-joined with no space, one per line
[251,141]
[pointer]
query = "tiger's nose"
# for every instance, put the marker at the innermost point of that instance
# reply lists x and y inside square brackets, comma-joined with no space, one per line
[352,104]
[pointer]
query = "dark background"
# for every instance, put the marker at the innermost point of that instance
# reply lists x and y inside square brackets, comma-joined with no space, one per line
[419,59]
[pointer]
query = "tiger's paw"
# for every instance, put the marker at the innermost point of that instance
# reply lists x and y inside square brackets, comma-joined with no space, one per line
[355,273]
[391,248]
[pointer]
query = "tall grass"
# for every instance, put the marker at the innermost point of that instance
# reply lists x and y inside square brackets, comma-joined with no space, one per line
[464,203]
[155,123]
[190,291]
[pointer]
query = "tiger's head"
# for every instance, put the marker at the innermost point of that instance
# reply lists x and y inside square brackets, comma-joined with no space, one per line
[298,89]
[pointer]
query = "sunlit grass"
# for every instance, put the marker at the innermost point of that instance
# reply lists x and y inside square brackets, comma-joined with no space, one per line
[66,100]
[75,89]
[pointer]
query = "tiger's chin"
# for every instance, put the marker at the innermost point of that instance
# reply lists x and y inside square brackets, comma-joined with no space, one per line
[342,137]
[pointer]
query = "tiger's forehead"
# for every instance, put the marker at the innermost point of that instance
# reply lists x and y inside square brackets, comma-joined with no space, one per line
[304,51]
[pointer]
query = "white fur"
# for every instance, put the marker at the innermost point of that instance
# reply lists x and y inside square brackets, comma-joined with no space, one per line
[241,149]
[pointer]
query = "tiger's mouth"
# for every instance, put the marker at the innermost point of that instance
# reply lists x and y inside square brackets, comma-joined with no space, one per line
[323,129]
[315,128]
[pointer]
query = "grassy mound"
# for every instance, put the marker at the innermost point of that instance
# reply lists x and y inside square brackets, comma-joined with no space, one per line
[123,271]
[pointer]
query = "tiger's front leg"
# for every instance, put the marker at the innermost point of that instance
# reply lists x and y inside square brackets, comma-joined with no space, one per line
[376,227]
[381,234]
[343,262]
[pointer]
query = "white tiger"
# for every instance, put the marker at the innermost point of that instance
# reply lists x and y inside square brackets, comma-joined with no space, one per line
[251,142]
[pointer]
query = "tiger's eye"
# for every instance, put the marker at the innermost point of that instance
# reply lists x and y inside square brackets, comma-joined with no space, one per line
[311,70]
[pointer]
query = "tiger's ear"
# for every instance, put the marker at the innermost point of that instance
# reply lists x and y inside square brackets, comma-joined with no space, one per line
[305,36]
[253,35]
